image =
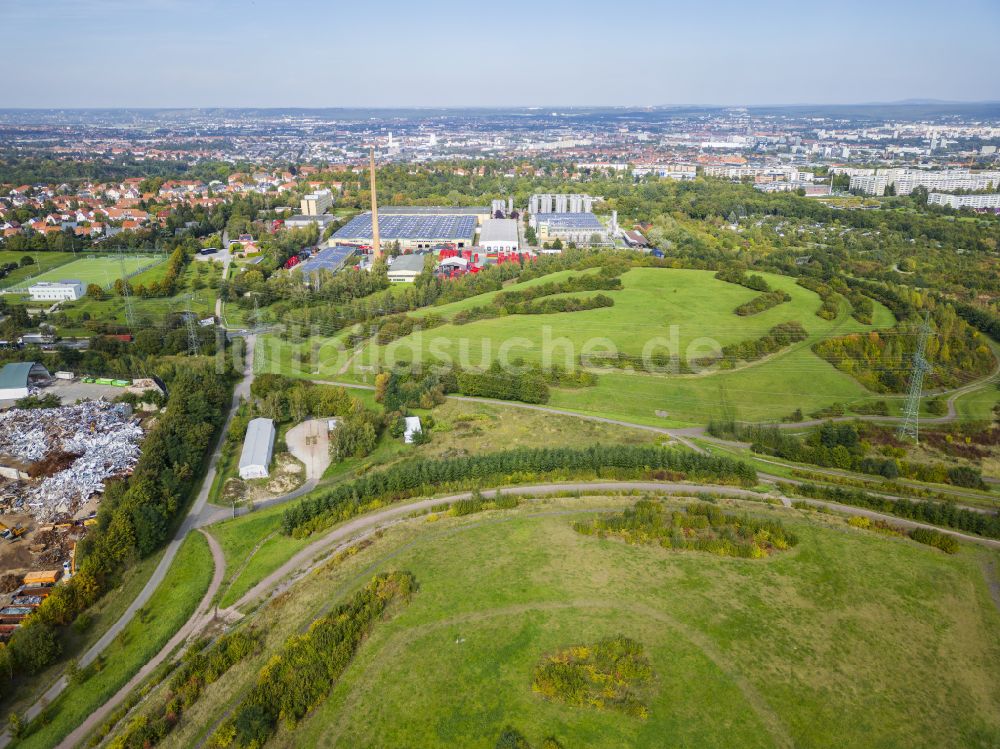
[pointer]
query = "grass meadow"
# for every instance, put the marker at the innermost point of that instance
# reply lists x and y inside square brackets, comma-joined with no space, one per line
[850,639]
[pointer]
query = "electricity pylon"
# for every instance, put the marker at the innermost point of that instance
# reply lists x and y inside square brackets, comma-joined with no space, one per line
[194,342]
[126,294]
[910,428]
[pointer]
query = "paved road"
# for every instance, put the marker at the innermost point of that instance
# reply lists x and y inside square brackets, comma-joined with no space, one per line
[201,618]
[191,521]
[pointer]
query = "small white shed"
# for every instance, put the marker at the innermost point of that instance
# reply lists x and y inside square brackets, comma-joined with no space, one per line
[412,427]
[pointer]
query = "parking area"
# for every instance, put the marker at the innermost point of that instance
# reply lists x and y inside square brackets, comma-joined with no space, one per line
[310,443]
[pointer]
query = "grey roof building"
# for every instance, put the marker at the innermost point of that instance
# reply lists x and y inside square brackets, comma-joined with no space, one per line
[258,447]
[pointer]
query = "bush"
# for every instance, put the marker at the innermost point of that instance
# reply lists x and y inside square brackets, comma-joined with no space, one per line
[937,539]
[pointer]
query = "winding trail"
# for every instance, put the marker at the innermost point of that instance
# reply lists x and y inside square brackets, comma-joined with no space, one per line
[201,618]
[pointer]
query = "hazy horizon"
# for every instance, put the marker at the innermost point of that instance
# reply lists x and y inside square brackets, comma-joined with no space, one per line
[117,54]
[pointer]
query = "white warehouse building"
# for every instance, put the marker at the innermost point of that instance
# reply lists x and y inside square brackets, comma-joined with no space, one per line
[255,460]
[56,291]
[499,235]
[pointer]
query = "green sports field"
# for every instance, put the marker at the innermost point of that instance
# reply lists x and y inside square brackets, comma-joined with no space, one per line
[688,311]
[851,638]
[102,270]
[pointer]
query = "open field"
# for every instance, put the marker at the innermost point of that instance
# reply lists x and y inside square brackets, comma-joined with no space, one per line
[102,270]
[44,262]
[650,304]
[175,600]
[849,639]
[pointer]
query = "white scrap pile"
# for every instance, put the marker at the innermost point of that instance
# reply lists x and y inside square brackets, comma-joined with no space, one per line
[103,436]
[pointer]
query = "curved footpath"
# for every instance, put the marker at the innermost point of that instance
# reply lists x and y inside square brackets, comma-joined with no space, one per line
[201,617]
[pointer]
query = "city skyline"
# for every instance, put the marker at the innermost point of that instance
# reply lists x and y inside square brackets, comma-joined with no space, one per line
[178,53]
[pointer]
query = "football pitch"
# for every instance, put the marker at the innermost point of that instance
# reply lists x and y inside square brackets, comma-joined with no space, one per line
[102,270]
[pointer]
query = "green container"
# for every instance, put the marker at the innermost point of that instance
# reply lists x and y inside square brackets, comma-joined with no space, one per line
[105,381]
[121,383]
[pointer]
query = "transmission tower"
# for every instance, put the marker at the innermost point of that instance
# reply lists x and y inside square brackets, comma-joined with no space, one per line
[194,342]
[910,428]
[126,294]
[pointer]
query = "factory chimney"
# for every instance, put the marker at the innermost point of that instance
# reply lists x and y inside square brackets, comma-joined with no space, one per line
[376,244]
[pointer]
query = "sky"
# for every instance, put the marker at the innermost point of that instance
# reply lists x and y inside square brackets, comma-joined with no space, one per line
[424,53]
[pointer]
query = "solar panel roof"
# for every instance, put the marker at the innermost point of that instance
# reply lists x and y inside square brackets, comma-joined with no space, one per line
[329,258]
[409,227]
[571,221]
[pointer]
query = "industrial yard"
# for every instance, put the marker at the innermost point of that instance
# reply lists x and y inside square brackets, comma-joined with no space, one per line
[54,463]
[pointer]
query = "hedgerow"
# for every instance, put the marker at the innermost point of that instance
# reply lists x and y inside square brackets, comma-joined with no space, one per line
[427,476]
[200,668]
[296,679]
[946,514]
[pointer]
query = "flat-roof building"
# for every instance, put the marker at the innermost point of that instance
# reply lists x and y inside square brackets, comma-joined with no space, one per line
[499,235]
[329,258]
[305,220]
[258,446]
[406,268]
[316,203]
[981,202]
[56,291]
[411,231]
[579,228]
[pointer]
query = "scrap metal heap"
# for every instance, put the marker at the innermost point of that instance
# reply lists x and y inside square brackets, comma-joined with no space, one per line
[71,451]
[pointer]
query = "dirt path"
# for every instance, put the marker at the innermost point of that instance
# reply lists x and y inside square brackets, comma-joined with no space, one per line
[285,576]
[201,617]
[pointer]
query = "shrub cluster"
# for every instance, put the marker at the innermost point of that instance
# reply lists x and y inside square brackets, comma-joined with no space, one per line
[495,382]
[830,306]
[777,338]
[739,277]
[604,675]
[522,301]
[703,527]
[763,302]
[948,544]
[296,679]
[426,476]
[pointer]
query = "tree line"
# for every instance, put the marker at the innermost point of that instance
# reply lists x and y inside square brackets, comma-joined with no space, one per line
[427,476]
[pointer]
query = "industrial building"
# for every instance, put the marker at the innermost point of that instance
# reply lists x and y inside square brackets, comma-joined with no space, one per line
[406,268]
[560,203]
[303,221]
[316,203]
[255,460]
[56,291]
[329,259]
[413,231]
[499,235]
[579,228]
[16,378]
